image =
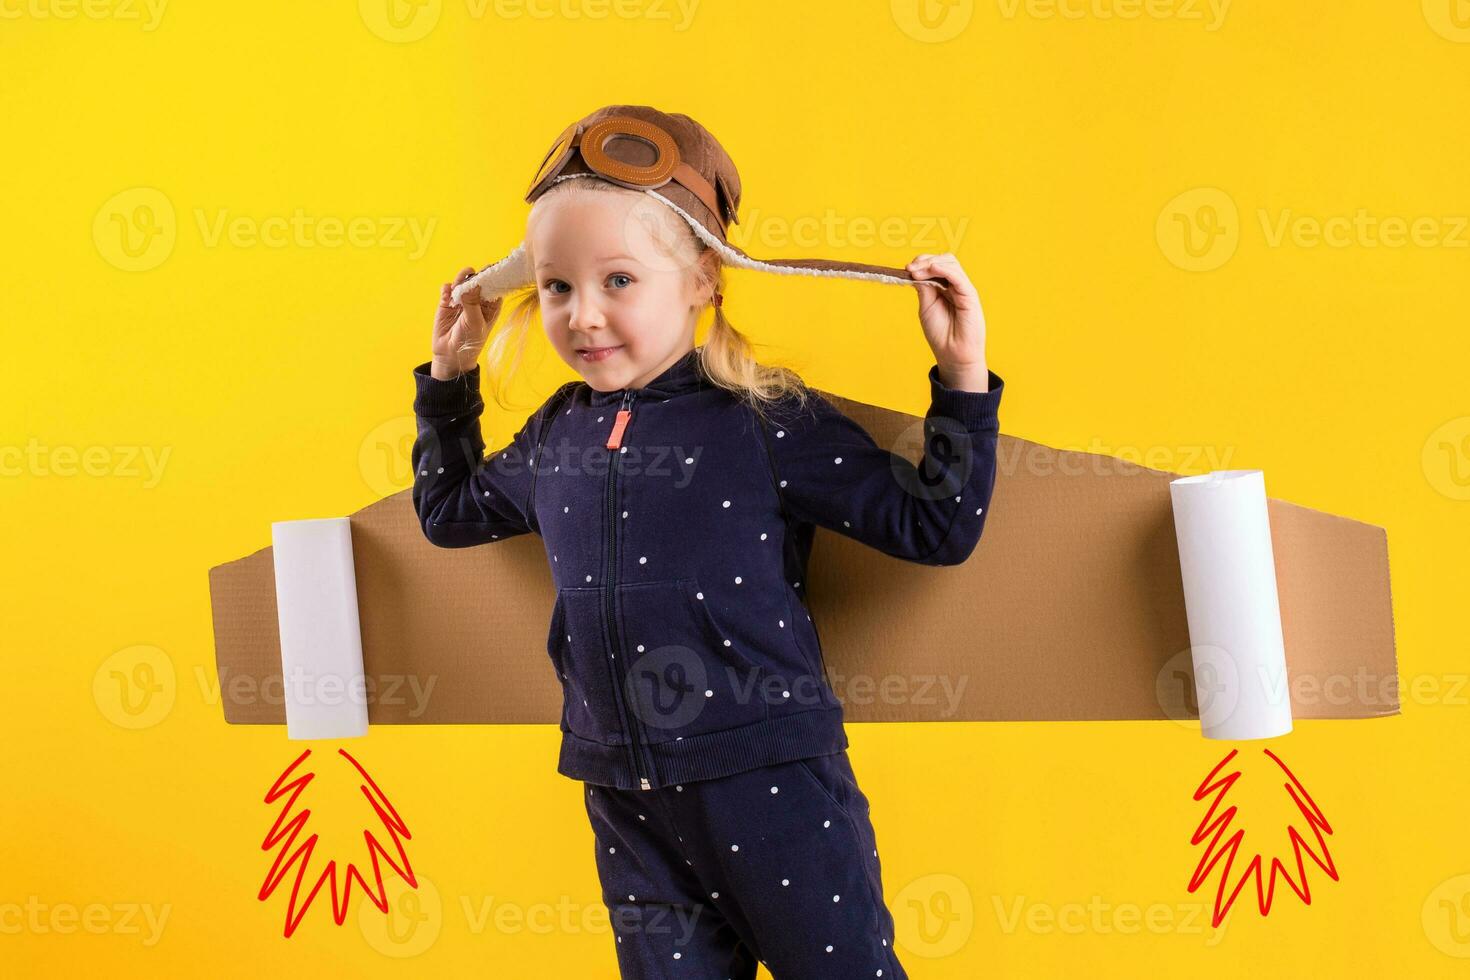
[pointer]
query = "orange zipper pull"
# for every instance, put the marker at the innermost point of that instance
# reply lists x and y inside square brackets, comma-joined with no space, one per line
[616,439]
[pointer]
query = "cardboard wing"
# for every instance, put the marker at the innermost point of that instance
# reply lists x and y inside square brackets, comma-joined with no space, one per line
[1070,609]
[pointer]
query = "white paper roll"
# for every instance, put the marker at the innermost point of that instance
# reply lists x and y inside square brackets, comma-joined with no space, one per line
[321,639]
[1230,601]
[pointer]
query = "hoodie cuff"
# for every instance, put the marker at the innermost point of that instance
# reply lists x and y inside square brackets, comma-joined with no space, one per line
[435,397]
[975,410]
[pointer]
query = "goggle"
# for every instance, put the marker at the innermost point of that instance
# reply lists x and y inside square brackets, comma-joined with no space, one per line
[613,147]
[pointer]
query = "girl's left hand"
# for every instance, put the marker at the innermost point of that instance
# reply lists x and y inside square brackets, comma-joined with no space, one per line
[953,322]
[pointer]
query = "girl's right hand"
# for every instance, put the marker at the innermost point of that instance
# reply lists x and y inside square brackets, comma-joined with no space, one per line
[460,332]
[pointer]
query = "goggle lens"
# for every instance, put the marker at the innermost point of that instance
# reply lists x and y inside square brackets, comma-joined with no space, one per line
[621,149]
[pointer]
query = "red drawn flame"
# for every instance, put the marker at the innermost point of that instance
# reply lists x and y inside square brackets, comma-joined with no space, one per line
[290,853]
[1227,848]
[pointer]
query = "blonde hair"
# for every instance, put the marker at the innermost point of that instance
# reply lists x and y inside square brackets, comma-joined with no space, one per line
[726,357]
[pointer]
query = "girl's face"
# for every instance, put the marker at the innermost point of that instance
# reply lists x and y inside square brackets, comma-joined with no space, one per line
[615,274]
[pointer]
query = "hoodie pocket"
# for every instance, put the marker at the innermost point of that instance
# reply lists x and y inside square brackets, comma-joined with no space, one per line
[577,645]
[684,675]
[557,638]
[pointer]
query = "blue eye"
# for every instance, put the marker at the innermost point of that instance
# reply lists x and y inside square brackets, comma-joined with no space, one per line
[619,275]
[551,283]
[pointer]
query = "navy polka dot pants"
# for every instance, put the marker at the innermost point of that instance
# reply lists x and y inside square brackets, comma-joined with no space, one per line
[776,864]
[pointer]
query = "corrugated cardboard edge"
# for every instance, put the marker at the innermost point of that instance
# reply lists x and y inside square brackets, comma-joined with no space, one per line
[1071,608]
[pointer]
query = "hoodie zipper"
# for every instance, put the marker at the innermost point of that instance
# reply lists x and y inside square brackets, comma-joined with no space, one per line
[614,446]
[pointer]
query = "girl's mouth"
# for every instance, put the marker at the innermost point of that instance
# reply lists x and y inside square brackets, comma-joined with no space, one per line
[597,353]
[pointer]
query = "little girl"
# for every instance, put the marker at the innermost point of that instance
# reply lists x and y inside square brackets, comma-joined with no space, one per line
[677,489]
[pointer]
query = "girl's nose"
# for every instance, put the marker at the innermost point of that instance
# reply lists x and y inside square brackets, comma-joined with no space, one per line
[586,315]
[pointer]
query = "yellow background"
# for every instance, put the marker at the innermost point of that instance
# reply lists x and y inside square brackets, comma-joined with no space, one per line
[276,378]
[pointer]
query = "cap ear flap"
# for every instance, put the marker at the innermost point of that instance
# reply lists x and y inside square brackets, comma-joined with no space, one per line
[515,271]
[728,202]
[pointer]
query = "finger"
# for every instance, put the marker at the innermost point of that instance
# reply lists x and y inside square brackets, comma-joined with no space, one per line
[922,267]
[949,267]
[466,273]
[453,284]
[931,300]
[922,273]
[474,319]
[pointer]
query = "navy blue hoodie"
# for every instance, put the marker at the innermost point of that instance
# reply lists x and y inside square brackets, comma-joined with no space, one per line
[678,525]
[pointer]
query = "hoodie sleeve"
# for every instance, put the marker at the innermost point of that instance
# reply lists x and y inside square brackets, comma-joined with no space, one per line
[831,473]
[462,497]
